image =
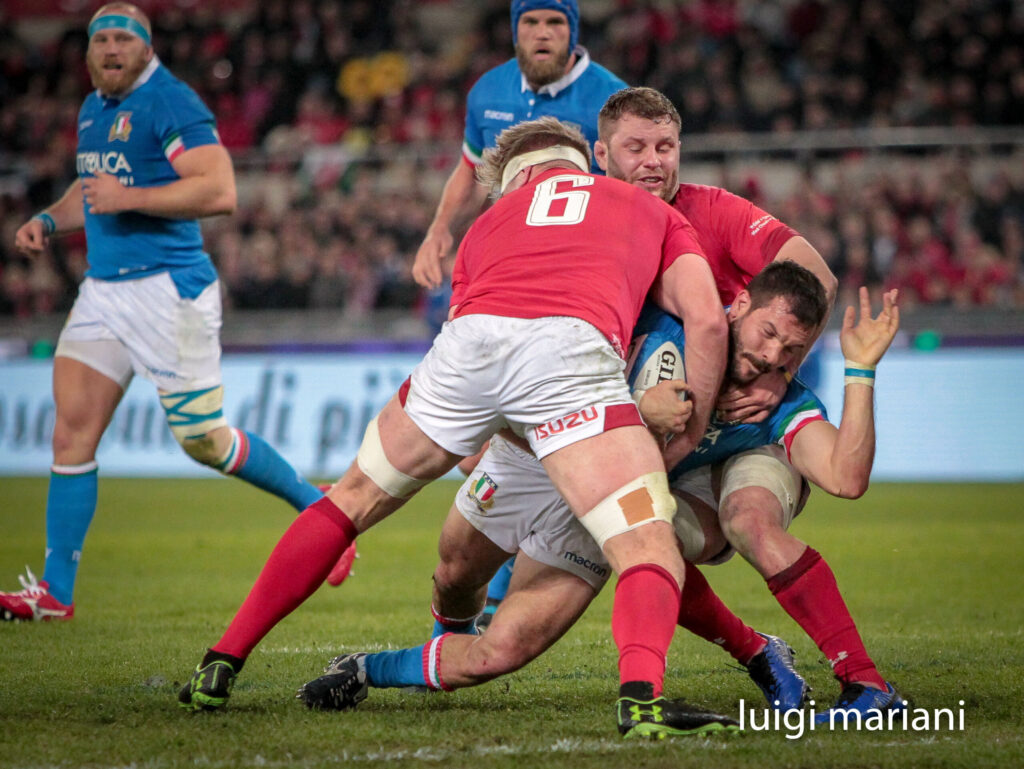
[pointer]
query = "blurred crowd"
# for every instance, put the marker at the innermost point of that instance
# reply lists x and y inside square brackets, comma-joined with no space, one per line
[344,119]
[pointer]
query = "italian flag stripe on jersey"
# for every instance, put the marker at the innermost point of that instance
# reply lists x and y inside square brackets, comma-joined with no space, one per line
[797,422]
[173,147]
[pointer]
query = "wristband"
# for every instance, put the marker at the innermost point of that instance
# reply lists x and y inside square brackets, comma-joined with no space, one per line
[49,226]
[859,373]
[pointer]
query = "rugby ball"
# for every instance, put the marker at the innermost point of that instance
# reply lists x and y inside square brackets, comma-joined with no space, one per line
[653,363]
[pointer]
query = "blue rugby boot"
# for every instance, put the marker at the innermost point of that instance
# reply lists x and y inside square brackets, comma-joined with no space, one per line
[860,699]
[773,671]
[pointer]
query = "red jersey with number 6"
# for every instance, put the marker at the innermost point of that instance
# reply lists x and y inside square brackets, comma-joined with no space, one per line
[570,244]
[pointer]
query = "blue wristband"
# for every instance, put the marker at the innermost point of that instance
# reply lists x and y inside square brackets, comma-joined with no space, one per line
[49,225]
[859,373]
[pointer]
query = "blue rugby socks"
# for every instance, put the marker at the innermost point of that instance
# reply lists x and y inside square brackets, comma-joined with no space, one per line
[254,460]
[444,624]
[417,666]
[70,506]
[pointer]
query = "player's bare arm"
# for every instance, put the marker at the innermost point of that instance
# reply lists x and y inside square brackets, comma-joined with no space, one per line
[206,188]
[839,459]
[459,191]
[66,215]
[687,290]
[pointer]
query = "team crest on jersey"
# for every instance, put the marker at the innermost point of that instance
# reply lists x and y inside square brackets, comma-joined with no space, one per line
[482,492]
[121,128]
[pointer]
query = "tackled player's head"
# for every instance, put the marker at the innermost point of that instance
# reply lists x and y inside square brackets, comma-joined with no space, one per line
[119,47]
[773,319]
[638,130]
[566,143]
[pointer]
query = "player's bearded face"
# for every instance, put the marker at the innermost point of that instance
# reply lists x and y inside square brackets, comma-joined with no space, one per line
[115,59]
[762,339]
[542,46]
[645,153]
[744,366]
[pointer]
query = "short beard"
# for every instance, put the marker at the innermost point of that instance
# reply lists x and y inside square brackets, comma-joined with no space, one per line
[124,79]
[544,72]
[737,354]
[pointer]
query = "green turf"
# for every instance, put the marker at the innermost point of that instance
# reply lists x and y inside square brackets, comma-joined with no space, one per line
[932,573]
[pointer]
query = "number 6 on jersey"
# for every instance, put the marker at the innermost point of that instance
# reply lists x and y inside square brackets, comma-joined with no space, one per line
[551,206]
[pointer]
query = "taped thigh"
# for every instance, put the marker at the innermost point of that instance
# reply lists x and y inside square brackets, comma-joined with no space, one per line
[193,414]
[641,501]
[766,467]
[375,465]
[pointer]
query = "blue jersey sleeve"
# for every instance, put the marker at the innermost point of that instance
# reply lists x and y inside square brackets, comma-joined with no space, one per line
[473,139]
[799,407]
[183,122]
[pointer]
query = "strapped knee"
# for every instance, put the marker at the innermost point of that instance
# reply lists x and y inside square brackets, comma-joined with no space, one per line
[375,465]
[191,416]
[641,501]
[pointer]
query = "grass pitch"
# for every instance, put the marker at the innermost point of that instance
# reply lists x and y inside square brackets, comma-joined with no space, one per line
[932,573]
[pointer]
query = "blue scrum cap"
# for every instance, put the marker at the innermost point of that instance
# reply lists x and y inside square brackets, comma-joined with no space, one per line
[568,7]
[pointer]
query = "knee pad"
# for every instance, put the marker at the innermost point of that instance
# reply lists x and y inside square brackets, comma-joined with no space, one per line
[641,501]
[767,468]
[375,466]
[191,415]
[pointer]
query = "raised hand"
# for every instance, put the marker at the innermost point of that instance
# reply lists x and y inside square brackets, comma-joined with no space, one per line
[867,341]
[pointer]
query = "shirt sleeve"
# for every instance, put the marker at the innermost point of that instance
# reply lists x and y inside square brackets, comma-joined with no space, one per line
[752,237]
[183,122]
[473,138]
[799,408]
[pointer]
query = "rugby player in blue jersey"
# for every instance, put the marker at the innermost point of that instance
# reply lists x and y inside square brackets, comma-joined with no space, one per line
[559,570]
[551,75]
[150,164]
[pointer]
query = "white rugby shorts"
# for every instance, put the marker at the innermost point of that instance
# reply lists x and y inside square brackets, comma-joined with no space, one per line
[142,326]
[553,381]
[510,500]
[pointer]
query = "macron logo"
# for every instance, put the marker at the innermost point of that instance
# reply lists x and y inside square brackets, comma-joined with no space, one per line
[493,114]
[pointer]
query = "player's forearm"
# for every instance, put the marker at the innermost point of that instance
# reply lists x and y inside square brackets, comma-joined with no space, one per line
[705,357]
[192,197]
[459,193]
[68,213]
[854,450]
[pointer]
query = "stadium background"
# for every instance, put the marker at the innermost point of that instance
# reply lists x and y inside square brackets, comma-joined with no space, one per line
[891,135]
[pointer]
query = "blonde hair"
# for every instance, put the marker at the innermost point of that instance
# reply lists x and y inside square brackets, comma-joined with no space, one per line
[526,137]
